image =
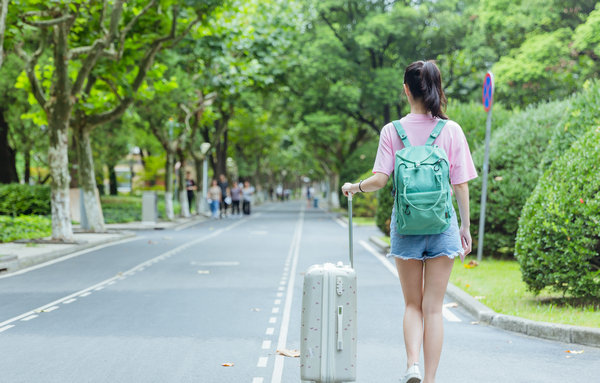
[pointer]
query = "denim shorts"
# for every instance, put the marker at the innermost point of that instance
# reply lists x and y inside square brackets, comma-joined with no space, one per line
[423,247]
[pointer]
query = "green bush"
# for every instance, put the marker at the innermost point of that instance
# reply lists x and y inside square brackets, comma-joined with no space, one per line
[472,118]
[558,242]
[364,204]
[385,203]
[121,209]
[24,227]
[516,149]
[583,113]
[18,199]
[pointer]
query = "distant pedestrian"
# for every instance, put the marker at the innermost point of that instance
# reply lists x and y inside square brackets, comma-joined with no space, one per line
[225,194]
[236,197]
[191,188]
[308,195]
[424,262]
[248,195]
[214,198]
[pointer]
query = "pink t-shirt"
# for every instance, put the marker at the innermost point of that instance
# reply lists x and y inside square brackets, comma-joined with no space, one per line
[418,127]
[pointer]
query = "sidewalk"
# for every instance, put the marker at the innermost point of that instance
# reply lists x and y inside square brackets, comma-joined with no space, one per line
[559,332]
[18,255]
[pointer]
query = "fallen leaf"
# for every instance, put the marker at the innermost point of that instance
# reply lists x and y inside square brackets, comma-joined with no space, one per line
[228,364]
[451,304]
[467,285]
[574,352]
[290,353]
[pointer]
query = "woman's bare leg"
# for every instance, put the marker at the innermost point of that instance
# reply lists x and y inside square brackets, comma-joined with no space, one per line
[411,279]
[437,274]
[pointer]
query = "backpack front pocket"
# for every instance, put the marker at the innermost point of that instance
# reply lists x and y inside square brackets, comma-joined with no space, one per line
[422,212]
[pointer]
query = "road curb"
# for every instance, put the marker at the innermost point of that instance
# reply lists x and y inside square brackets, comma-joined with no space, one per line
[559,332]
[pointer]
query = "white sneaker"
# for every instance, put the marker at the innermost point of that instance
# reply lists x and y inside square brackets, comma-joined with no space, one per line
[412,375]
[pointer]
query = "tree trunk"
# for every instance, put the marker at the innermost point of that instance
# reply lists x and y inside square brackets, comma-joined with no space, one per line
[3,12]
[8,170]
[27,172]
[199,175]
[112,179]
[334,185]
[170,214]
[58,113]
[87,182]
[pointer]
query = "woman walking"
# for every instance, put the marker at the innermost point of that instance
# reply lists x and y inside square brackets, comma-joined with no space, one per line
[424,262]
[214,198]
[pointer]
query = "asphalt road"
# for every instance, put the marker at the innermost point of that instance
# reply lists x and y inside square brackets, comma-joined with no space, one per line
[174,306]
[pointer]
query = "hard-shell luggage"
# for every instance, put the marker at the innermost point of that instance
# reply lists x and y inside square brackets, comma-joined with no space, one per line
[328,332]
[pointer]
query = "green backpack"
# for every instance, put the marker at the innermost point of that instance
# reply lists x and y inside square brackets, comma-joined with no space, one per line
[422,200]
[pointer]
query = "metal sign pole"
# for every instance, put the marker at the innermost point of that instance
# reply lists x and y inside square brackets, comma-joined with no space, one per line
[488,94]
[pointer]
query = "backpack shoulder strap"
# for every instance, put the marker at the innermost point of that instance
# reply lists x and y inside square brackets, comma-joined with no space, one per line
[401,133]
[435,132]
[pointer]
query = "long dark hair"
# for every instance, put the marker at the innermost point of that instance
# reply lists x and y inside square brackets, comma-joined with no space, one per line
[425,83]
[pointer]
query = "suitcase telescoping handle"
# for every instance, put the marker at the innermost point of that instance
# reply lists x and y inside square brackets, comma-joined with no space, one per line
[350,230]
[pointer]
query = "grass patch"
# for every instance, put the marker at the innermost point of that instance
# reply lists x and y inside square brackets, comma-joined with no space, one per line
[386,239]
[499,284]
[363,221]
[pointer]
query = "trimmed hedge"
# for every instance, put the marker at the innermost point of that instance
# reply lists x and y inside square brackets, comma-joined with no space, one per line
[558,242]
[516,149]
[385,204]
[19,199]
[121,209]
[364,204]
[24,227]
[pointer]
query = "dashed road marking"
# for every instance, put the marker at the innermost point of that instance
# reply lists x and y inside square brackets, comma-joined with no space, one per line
[69,301]
[85,294]
[50,309]
[29,318]
[266,344]
[275,310]
[257,380]
[2,329]
[277,302]
[272,320]
[262,361]
[270,331]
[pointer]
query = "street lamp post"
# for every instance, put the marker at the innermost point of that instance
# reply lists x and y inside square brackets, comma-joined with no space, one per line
[202,204]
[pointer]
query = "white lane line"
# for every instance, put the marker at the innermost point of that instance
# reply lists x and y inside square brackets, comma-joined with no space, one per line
[130,271]
[285,320]
[29,318]
[277,302]
[258,380]
[388,265]
[281,288]
[99,288]
[341,223]
[275,310]
[272,319]
[85,294]
[266,344]
[448,315]
[270,331]
[2,329]
[262,361]
[76,254]
[279,295]
[69,301]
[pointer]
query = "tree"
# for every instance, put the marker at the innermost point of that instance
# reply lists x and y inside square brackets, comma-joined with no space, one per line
[99,44]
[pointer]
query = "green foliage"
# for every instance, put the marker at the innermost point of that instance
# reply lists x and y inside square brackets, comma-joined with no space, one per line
[359,162]
[18,199]
[558,243]
[364,204]
[24,227]
[121,209]
[583,113]
[516,149]
[472,118]
[385,204]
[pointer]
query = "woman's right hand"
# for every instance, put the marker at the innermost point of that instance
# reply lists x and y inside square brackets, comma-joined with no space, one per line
[347,189]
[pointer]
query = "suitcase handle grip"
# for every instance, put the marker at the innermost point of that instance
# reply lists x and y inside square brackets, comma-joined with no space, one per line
[340,319]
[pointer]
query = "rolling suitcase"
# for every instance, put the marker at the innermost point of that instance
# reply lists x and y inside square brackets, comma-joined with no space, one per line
[328,324]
